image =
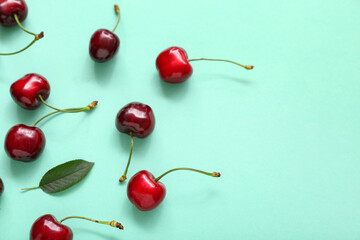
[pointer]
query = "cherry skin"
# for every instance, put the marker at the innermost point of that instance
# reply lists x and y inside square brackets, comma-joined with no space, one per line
[136,118]
[25,91]
[173,65]
[144,192]
[1,187]
[10,7]
[24,143]
[48,228]
[104,44]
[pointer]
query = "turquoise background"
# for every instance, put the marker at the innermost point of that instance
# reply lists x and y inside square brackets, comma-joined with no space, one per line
[284,136]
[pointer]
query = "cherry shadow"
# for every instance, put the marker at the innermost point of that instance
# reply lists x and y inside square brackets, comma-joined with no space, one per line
[9,33]
[170,90]
[24,170]
[104,71]
[97,235]
[226,77]
[146,219]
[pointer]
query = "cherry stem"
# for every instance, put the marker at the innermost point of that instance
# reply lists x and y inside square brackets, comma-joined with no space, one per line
[26,189]
[21,26]
[69,110]
[117,10]
[111,223]
[248,67]
[37,37]
[13,53]
[123,177]
[213,174]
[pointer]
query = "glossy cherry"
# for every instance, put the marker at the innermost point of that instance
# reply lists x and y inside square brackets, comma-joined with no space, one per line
[1,187]
[174,66]
[8,8]
[24,143]
[48,228]
[104,44]
[146,192]
[25,91]
[137,120]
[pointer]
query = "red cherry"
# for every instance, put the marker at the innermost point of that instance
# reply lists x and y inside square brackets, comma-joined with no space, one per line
[24,143]
[10,7]
[174,67]
[137,120]
[104,44]
[27,89]
[1,187]
[146,192]
[48,228]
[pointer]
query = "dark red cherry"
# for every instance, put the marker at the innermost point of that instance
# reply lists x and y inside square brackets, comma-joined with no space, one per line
[27,89]
[104,44]
[136,118]
[24,143]
[173,65]
[10,7]
[48,228]
[144,192]
[1,187]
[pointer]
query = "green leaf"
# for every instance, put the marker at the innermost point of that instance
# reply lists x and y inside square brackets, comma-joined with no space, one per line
[65,175]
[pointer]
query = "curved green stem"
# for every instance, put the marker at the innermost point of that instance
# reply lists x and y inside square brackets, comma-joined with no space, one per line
[110,223]
[123,177]
[13,53]
[37,37]
[21,26]
[213,174]
[47,115]
[68,110]
[248,67]
[26,189]
[117,10]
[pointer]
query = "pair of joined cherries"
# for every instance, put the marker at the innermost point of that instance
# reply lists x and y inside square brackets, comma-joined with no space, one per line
[25,143]
[13,12]
[144,190]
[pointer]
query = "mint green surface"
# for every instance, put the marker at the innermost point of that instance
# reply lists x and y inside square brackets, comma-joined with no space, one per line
[284,136]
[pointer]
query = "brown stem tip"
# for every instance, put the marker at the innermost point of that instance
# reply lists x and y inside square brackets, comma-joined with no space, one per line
[117,9]
[93,104]
[123,178]
[216,174]
[39,36]
[249,67]
[117,225]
